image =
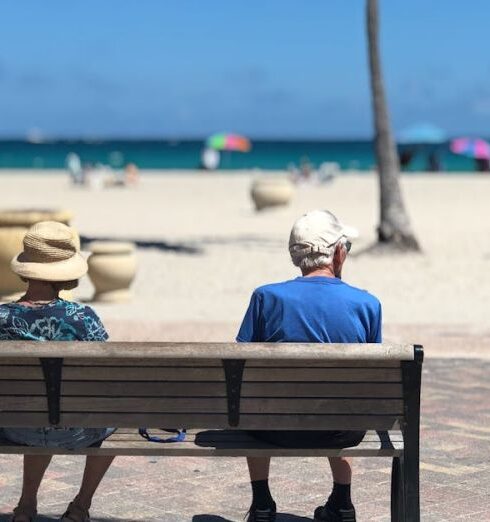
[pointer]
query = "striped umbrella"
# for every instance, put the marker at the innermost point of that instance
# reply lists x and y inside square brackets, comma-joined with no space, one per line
[471,147]
[232,142]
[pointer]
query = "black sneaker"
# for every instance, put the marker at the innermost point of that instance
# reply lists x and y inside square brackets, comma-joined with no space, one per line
[327,514]
[262,515]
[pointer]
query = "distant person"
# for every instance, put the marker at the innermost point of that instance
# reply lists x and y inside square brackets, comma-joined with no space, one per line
[50,263]
[434,162]
[210,159]
[405,158]
[74,167]
[482,164]
[317,307]
[131,175]
[305,169]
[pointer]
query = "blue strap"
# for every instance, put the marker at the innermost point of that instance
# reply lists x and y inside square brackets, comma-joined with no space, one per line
[179,437]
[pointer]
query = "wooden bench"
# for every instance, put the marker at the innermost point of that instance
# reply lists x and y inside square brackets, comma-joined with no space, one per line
[216,390]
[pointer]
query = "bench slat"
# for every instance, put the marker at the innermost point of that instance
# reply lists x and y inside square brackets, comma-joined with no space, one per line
[209,405]
[237,435]
[157,350]
[207,374]
[198,389]
[208,421]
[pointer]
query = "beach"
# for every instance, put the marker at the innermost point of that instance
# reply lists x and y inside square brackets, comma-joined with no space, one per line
[202,249]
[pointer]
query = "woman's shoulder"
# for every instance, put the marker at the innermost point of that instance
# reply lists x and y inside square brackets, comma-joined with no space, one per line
[72,308]
[81,314]
[10,309]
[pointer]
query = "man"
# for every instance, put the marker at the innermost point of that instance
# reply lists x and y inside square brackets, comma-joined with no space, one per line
[317,307]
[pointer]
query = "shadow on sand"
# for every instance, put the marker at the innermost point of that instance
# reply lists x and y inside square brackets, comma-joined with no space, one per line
[198,245]
[180,248]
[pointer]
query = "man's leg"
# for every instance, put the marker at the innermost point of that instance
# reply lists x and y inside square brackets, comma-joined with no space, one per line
[338,507]
[342,478]
[258,467]
[263,506]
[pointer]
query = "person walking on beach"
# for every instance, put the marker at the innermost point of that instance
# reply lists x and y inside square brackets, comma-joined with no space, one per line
[316,307]
[50,263]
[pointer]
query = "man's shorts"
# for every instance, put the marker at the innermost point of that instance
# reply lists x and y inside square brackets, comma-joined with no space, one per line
[310,439]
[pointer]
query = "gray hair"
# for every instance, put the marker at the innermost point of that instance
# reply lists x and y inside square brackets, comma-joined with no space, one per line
[314,260]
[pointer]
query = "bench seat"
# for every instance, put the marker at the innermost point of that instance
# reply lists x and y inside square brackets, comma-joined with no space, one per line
[222,443]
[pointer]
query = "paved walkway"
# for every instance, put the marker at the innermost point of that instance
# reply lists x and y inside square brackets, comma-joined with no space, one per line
[455,470]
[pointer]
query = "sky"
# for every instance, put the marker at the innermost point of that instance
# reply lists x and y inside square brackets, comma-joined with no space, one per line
[263,68]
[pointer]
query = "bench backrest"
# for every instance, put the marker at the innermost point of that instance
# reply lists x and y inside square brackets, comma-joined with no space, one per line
[198,385]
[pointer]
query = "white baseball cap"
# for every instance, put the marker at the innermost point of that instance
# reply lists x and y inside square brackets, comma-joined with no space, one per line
[317,232]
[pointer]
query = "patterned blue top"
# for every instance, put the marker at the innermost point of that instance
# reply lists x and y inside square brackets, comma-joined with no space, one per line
[56,321]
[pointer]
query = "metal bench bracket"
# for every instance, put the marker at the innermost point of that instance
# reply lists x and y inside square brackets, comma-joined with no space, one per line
[52,370]
[233,374]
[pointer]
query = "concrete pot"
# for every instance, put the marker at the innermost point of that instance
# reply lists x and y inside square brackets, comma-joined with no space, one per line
[13,226]
[271,192]
[111,268]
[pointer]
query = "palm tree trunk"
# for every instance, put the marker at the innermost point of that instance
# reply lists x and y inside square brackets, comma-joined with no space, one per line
[394,228]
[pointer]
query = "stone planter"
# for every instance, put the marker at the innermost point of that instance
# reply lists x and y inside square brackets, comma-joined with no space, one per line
[111,268]
[13,226]
[271,192]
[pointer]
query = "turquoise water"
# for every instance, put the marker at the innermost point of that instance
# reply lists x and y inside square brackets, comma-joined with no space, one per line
[154,154]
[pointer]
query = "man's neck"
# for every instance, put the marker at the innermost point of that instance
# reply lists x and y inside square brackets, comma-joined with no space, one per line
[320,272]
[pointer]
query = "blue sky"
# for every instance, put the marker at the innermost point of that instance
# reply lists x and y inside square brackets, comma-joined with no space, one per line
[265,68]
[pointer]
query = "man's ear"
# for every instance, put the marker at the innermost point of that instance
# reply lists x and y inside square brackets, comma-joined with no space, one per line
[339,255]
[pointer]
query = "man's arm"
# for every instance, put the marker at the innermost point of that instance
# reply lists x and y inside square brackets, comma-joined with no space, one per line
[376,328]
[250,330]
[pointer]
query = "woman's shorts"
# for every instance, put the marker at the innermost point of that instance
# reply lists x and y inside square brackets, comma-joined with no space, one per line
[66,438]
[310,439]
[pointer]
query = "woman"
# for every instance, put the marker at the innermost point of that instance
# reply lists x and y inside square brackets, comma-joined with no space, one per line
[51,262]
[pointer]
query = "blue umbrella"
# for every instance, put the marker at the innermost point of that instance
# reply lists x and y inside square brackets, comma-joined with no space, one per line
[422,133]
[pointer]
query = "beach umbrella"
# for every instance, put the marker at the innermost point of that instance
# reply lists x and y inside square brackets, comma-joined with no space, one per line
[422,133]
[471,147]
[230,142]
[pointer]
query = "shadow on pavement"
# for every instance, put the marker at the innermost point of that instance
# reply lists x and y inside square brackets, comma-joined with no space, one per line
[7,518]
[281,517]
[53,518]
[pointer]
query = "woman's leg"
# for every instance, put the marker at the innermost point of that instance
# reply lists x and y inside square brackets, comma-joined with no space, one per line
[95,469]
[34,468]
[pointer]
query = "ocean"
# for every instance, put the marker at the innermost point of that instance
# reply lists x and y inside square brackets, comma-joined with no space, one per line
[185,154]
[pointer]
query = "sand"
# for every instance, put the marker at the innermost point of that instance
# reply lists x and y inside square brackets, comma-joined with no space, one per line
[441,295]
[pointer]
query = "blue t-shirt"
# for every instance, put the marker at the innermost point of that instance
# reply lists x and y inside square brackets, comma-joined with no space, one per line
[312,309]
[56,321]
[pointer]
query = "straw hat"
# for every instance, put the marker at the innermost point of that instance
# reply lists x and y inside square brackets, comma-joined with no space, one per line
[51,253]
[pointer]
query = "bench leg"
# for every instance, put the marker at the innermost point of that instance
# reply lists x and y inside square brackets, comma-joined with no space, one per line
[411,485]
[397,491]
